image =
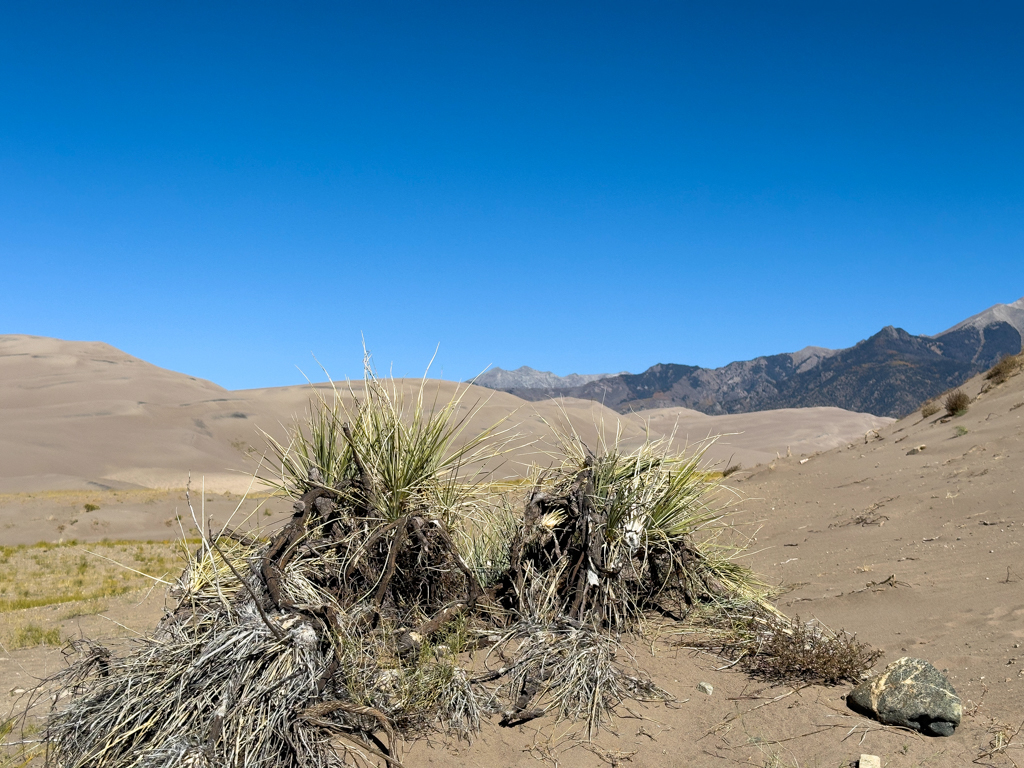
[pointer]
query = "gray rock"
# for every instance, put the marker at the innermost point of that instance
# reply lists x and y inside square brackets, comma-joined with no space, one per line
[911,693]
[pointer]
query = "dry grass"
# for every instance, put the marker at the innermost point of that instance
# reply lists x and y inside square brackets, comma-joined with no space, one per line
[957,402]
[77,498]
[782,650]
[1005,368]
[568,669]
[929,409]
[47,574]
[32,635]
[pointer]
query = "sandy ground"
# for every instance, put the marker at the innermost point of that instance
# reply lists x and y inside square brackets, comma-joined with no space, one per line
[917,554]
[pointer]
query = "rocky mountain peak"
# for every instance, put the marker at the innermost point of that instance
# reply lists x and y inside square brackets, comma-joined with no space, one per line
[525,377]
[1011,314]
[888,374]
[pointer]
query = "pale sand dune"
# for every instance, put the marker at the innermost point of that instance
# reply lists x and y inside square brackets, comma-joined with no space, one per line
[944,524]
[757,438]
[79,415]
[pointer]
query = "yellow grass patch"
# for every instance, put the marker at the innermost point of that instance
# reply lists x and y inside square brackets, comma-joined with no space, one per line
[47,574]
[100,498]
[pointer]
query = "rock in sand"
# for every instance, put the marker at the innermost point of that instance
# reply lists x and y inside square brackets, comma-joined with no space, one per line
[911,693]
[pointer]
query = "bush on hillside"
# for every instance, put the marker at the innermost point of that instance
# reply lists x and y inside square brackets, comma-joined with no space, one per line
[957,402]
[1005,368]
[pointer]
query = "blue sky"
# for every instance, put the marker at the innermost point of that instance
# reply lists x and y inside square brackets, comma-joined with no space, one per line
[229,188]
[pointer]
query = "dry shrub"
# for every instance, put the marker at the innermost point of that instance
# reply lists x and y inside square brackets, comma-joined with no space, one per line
[778,649]
[929,409]
[794,651]
[957,402]
[1005,368]
[731,470]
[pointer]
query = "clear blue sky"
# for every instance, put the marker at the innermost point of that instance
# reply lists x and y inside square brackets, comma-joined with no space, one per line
[226,188]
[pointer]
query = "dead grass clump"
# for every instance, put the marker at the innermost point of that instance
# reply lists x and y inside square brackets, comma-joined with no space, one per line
[1005,368]
[781,650]
[957,402]
[345,632]
[564,667]
[792,650]
[731,470]
[929,409]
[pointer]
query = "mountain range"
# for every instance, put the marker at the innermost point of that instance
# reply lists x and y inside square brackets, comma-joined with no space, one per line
[525,377]
[888,374]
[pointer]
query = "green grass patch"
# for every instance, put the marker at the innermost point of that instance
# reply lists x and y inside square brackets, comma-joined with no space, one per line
[37,575]
[32,635]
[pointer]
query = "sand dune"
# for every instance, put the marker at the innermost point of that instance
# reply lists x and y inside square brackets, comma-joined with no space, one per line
[81,415]
[757,438]
[919,554]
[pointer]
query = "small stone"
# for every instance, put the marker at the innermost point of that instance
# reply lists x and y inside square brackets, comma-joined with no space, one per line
[916,450]
[705,688]
[910,693]
[869,761]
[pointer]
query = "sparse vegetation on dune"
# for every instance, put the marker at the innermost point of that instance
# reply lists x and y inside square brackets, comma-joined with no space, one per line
[44,574]
[1008,366]
[956,402]
[777,649]
[929,409]
[350,627]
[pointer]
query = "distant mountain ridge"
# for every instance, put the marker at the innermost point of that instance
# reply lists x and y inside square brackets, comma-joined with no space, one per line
[888,374]
[525,377]
[1013,314]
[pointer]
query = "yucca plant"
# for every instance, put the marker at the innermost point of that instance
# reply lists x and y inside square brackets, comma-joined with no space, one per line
[638,526]
[393,454]
[485,538]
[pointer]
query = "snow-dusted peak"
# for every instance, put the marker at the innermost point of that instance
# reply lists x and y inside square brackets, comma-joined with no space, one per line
[526,377]
[1000,313]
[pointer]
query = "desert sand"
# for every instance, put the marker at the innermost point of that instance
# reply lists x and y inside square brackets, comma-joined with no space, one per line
[84,423]
[918,555]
